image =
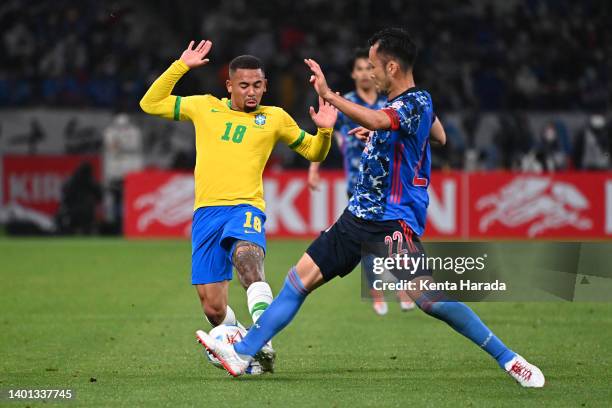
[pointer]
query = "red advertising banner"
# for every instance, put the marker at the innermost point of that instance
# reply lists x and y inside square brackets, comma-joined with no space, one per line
[35,181]
[461,205]
[159,204]
[563,205]
[446,215]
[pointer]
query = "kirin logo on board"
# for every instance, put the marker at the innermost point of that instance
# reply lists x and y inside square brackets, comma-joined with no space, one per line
[540,203]
[170,205]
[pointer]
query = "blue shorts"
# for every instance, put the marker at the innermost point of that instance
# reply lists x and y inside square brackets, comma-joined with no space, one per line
[214,232]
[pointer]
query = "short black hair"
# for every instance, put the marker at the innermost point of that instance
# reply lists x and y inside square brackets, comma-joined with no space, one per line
[245,62]
[395,43]
[358,53]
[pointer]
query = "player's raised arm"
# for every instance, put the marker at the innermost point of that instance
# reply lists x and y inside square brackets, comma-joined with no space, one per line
[315,148]
[158,99]
[312,147]
[368,118]
[314,177]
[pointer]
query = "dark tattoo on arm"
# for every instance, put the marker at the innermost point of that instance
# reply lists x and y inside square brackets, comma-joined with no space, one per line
[248,259]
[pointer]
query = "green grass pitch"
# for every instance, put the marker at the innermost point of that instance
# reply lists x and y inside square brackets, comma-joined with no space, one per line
[114,320]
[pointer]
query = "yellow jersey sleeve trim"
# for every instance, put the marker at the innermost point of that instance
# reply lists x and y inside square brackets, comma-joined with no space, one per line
[177,108]
[298,140]
[315,148]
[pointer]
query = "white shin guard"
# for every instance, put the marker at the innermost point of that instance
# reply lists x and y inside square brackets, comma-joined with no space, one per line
[259,297]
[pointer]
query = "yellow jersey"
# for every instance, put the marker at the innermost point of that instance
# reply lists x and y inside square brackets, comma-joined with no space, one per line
[232,147]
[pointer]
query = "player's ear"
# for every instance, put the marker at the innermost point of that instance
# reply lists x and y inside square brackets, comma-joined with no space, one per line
[392,67]
[265,84]
[228,85]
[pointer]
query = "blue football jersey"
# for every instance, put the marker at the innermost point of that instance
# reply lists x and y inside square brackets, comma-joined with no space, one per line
[395,166]
[351,146]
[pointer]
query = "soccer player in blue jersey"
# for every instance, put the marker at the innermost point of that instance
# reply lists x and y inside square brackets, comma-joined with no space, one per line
[352,146]
[390,199]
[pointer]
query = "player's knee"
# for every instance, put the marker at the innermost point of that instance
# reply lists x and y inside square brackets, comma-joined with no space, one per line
[309,273]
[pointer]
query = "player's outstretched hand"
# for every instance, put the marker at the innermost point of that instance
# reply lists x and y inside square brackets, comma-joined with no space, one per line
[361,133]
[194,57]
[326,116]
[317,79]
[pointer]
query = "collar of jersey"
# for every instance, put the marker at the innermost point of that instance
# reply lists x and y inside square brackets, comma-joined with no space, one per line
[407,91]
[229,105]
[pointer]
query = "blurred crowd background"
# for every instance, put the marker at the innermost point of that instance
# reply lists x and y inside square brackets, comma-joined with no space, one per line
[506,58]
[535,54]
[519,85]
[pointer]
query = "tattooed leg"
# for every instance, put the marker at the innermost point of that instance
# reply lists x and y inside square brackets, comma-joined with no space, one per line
[248,259]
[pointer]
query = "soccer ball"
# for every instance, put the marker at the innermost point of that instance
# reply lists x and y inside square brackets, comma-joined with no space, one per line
[229,334]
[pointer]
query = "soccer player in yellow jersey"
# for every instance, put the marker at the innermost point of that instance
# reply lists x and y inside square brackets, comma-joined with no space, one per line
[234,139]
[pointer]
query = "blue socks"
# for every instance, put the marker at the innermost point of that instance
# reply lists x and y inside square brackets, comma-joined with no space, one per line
[456,314]
[278,315]
[461,318]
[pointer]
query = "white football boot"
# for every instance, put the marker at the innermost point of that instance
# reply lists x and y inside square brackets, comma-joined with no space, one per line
[407,306]
[380,307]
[405,302]
[525,373]
[253,369]
[225,353]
